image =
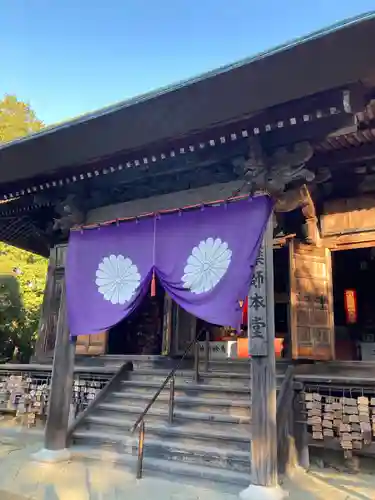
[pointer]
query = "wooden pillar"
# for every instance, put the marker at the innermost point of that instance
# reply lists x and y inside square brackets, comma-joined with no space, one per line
[301,436]
[55,438]
[45,312]
[261,328]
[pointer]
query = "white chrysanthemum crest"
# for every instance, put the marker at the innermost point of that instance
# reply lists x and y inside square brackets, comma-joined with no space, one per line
[207,265]
[117,279]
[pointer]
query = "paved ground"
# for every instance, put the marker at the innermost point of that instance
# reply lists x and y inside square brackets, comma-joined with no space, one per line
[22,479]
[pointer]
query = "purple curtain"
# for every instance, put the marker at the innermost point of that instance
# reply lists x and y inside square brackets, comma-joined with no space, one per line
[108,271]
[204,259]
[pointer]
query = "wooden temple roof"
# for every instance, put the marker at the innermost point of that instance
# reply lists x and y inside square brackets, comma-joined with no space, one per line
[328,59]
[185,136]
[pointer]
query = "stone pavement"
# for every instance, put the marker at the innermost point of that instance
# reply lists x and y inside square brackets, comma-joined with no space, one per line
[23,479]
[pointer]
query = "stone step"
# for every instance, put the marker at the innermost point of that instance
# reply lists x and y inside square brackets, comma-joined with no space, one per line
[178,415]
[189,388]
[183,399]
[111,436]
[188,376]
[241,366]
[209,438]
[167,363]
[220,395]
[200,454]
[237,437]
[197,453]
[210,476]
[199,404]
[145,361]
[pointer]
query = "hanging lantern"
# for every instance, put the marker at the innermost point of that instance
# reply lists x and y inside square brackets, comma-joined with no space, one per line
[245,307]
[350,304]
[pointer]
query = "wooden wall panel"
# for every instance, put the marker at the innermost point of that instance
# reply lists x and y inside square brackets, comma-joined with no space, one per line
[92,345]
[311,312]
[86,344]
[349,215]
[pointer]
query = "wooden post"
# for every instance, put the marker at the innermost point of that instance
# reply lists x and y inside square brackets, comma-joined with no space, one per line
[261,328]
[45,312]
[55,437]
[301,436]
[196,361]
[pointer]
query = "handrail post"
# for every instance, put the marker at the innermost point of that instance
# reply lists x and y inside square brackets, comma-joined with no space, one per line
[171,400]
[141,442]
[167,379]
[170,378]
[196,360]
[206,350]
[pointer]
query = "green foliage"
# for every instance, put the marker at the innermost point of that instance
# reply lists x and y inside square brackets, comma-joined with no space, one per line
[22,283]
[16,119]
[22,274]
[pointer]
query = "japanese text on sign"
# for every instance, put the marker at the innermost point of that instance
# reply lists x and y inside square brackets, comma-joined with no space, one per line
[258,307]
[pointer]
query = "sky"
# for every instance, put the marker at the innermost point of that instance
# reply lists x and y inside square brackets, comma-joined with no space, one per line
[69,57]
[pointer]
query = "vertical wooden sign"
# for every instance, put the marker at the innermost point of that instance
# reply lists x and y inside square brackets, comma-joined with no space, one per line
[257,307]
[261,327]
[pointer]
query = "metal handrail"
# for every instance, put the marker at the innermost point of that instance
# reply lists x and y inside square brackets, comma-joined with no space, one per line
[170,377]
[171,374]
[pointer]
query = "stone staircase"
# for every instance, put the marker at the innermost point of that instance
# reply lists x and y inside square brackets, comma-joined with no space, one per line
[209,438]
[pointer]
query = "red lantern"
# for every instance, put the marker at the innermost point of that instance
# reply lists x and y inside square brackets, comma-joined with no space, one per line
[244,304]
[350,303]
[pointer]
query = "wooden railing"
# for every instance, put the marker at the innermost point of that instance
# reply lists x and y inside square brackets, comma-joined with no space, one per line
[29,379]
[291,429]
[284,412]
[112,385]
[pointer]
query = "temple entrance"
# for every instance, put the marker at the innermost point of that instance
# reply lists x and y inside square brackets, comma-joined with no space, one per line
[282,302]
[141,332]
[183,331]
[232,343]
[354,299]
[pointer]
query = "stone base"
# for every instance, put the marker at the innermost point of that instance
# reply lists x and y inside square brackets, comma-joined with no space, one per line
[51,456]
[254,492]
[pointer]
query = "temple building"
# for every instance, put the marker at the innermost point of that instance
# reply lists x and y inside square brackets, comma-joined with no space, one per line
[277,153]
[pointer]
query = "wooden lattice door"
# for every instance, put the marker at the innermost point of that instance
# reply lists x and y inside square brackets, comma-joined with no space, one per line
[311,311]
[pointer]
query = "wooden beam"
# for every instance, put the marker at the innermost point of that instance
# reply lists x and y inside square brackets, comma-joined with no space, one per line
[56,431]
[62,383]
[45,313]
[343,156]
[309,212]
[350,241]
[316,130]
